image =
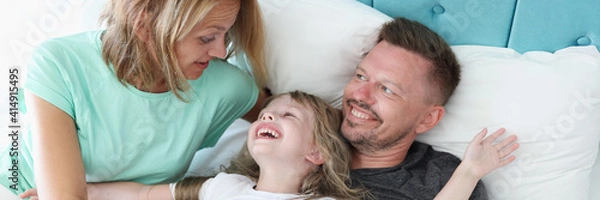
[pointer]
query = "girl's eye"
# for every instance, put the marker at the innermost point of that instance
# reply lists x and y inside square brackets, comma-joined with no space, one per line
[207,39]
[288,114]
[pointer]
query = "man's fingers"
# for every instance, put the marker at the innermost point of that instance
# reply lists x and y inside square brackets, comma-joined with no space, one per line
[506,161]
[509,150]
[479,137]
[505,142]
[495,135]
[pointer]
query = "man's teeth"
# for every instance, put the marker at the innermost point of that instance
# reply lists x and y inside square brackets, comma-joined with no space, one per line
[266,132]
[359,114]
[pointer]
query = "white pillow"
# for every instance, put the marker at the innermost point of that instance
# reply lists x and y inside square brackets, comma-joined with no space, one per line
[550,101]
[315,45]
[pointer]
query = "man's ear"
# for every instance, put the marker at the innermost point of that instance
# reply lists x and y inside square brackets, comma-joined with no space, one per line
[432,117]
[315,157]
[140,27]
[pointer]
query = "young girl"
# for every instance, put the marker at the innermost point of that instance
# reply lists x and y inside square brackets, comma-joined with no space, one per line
[294,151]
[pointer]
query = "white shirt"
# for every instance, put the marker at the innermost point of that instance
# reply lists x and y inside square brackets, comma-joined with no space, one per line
[235,186]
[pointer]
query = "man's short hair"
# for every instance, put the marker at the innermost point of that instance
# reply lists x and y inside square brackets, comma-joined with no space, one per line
[444,73]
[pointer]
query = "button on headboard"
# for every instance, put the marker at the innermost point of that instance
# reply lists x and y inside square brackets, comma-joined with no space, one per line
[523,25]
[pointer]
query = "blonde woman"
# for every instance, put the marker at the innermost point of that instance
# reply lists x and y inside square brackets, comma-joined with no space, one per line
[134,102]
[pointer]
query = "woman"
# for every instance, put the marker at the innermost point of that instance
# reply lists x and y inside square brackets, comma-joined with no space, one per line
[137,100]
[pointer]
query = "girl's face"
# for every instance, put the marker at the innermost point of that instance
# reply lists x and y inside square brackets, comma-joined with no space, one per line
[206,40]
[283,132]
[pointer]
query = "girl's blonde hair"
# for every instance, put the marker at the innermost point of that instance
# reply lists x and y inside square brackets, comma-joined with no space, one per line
[332,178]
[169,21]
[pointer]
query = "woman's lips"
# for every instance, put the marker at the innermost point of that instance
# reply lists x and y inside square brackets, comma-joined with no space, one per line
[202,65]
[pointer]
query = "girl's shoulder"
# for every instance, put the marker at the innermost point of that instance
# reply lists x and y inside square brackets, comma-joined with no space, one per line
[222,176]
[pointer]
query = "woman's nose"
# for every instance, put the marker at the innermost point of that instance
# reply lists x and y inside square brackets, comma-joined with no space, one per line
[218,49]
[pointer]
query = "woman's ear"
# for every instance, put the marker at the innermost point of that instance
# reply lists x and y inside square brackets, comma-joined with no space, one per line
[315,157]
[140,27]
[432,118]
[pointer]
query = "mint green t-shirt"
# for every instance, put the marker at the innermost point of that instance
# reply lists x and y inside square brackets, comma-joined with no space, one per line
[126,134]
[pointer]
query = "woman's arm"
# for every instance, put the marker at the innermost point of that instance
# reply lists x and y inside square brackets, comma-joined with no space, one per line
[59,171]
[119,191]
[128,191]
[481,157]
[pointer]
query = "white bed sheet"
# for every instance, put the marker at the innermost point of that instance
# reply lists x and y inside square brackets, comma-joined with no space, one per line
[207,161]
[6,194]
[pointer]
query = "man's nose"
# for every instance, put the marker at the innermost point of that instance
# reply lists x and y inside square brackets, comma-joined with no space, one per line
[364,93]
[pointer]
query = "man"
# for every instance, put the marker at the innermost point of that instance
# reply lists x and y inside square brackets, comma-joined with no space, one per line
[398,92]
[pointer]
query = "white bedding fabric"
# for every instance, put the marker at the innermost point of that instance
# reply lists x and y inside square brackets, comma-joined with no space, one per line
[549,100]
[7,194]
[207,161]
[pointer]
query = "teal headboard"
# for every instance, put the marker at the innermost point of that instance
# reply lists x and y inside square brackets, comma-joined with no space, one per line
[523,25]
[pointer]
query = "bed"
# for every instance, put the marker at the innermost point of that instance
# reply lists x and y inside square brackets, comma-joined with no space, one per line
[532,68]
[528,66]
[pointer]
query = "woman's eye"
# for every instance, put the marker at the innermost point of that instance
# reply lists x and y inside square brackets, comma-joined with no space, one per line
[207,39]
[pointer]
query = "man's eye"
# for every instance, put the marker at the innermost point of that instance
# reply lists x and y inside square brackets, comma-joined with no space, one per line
[361,77]
[207,39]
[387,90]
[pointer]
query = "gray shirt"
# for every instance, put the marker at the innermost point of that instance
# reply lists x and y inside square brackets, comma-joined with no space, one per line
[421,175]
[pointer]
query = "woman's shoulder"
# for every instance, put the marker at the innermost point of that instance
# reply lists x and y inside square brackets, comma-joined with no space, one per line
[224,69]
[82,40]
[227,80]
[75,54]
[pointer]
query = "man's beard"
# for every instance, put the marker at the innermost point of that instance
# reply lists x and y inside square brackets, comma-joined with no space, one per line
[367,141]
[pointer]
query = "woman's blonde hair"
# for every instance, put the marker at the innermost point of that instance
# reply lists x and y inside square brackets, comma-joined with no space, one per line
[169,21]
[332,178]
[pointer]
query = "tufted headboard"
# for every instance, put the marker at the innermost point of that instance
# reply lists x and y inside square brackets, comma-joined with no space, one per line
[523,25]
